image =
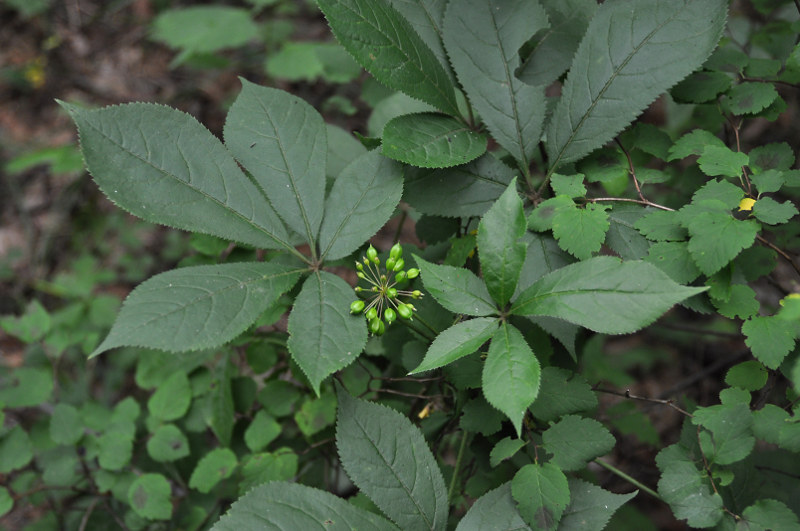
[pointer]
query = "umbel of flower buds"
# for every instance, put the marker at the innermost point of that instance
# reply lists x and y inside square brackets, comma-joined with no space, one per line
[381,302]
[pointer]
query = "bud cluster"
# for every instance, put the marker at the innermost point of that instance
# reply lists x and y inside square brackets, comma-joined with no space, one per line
[383,305]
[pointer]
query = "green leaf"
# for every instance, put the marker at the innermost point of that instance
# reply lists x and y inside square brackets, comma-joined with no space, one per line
[215,466]
[748,375]
[541,493]
[717,237]
[693,143]
[282,505]
[461,191]
[543,256]
[720,160]
[701,87]
[389,461]
[723,192]
[204,29]
[661,225]
[750,97]
[731,432]
[603,294]
[220,417]
[742,303]
[323,336]
[511,374]
[458,341]
[361,201]
[29,327]
[688,494]
[15,450]
[150,496]
[310,61]
[494,510]
[281,141]
[590,506]
[168,443]
[770,339]
[775,156]
[26,387]
[769,211]
[65,425]
[500,249]
[172,398]
[431,140]
[581,231]
[541,218]
[570,185]
[265,467]
[457,289]
[385,43]
[480,417]
[6,501]
[562,393]
[482,38]
[506,448]
[764,515]
[789,435]
[622,235]
[574,440]
[148,158]
[197,307]
[316,414]
[556,46]
[767,182]
[768,421]
[263,429]
[674,259]
[653,45]
[427,19]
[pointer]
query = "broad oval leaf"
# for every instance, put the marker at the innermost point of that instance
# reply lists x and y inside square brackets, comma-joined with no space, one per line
[511,374]
[431,140]
[281,140]
[461,191]
[483,38]
[361,201]
[500,249]
[604,294]
[494,510]
[574,440]
[283,505]
[457,289]
[162,165]
[323,336]
[385,43]
[541,493]
[633,51]
[388,459]
[590,506]
[459,340]
[197,307]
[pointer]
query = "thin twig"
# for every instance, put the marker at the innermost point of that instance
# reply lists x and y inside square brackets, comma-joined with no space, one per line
[629,200]
[779,251]
[628,394]
[631,170]
[611,468]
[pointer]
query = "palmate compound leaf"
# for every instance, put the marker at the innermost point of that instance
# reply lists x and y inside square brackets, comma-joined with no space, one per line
[385,43]
[633,51]
[500,246]
[197,307]
[388,459]
[361,201]
[603,294]
[483,38]
[283,505]
[162,165]
[323,336]
[511,374]
[431,140]
[281,140]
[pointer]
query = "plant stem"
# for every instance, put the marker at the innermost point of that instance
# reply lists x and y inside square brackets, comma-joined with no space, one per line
[611,468]
[459,458]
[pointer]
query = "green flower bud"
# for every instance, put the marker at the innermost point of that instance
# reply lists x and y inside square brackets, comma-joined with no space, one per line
[389,315]
[404,311]
[391,292]
[390,263]
[361,275]
[382,329]
[412,273]
[396,251]
[375,325]
[371,314]
[400,276]
[358,289]
[399,265]
[416,294]
[372,253]
[356,307]
[359,266]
